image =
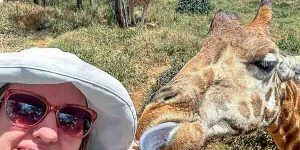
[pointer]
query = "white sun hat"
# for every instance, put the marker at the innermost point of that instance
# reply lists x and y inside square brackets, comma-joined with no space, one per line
[116,124]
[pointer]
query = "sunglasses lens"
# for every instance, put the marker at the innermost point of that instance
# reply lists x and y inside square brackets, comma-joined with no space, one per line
[75,121]
[24,110]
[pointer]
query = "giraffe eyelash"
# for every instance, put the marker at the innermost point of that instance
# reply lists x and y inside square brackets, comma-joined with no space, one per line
[266,66]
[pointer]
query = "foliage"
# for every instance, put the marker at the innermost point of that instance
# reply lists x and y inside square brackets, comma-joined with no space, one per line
[19,17]
[194,6]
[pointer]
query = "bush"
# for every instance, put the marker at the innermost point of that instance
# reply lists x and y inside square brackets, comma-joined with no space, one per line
[21,16]
[194,6]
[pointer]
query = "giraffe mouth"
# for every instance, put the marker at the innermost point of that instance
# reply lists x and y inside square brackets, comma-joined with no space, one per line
[157,136]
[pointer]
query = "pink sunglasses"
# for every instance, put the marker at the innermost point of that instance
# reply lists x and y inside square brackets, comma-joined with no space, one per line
[26,109]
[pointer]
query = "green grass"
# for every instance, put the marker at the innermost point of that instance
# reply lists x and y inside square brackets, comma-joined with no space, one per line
[135,55]
[128,54]
[290,44]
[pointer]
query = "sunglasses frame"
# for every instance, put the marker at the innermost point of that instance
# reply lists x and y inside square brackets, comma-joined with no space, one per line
[49,108]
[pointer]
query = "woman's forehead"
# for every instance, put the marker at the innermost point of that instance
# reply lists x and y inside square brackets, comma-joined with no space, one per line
[56,94]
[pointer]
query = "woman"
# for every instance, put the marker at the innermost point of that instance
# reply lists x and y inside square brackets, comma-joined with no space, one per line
[52,100]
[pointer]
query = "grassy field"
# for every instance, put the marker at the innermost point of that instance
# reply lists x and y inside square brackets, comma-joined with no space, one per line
[143,58]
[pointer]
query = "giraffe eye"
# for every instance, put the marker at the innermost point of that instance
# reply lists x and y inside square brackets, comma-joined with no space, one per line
[266,66]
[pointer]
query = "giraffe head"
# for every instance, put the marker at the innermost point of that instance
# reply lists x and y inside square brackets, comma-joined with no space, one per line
[233,86]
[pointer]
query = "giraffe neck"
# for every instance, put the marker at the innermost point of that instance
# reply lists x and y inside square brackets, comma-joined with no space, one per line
[286,130]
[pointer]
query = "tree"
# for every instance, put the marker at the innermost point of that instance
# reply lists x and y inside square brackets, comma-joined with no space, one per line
[79,4]
[36,2]
[121,12]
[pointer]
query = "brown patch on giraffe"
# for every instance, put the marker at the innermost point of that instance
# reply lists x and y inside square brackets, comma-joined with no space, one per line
[191,131]
[289,123]
[206,81]
[220,46]
[243,108]
[274,129]
[153,117]
[256,104]
[294,95]
[296,146]
[291,136]
[209,75]
[277,134]
[206,56]
[291,128]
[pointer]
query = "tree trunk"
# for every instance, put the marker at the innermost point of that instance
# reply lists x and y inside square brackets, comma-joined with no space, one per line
[36,2]
[121,11]
[79,4]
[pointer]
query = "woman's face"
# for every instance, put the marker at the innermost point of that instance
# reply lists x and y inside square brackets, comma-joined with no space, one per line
[46,135]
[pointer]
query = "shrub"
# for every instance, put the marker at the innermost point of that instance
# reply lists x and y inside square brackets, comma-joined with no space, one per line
[194,6]
[56,19]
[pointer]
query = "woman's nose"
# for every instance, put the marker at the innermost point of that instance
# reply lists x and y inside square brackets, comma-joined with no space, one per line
[47,130]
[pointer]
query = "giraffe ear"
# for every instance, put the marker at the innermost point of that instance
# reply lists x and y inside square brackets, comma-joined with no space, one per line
[289,68]
[262,20]
[224,20]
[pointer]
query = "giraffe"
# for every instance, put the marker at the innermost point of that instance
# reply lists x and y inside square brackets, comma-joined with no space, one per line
[237,83]
[134,3]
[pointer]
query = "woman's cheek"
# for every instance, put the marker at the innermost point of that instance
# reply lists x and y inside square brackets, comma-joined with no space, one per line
[69,143]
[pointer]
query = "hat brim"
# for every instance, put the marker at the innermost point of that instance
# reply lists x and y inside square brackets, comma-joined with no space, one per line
[116,124]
